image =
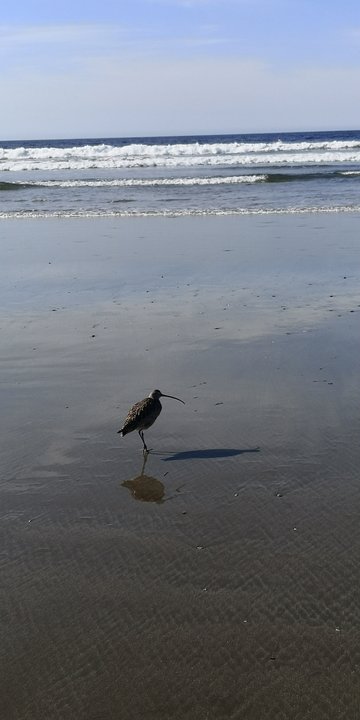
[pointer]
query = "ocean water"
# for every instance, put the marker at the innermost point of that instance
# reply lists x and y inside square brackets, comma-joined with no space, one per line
[219,174]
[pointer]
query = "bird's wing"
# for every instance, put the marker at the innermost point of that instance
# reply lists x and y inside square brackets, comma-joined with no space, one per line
[137,414]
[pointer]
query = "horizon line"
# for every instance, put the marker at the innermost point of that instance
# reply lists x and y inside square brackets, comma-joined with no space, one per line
[176,135]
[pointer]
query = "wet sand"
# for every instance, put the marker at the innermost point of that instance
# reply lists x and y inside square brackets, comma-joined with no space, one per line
[220,579]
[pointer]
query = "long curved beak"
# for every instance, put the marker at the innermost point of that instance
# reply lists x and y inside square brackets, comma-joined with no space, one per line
[173,397]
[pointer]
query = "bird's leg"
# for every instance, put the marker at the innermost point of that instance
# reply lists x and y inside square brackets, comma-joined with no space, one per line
[143,441]
[145,457]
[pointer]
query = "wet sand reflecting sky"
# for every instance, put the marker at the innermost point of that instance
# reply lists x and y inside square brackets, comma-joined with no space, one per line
[220,578]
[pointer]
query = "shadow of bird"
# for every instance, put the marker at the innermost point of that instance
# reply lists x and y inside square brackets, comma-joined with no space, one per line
[209,453]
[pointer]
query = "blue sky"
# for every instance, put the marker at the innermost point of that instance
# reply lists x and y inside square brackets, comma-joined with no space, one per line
[153,67]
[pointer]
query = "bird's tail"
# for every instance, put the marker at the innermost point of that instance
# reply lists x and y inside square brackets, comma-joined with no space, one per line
[121,431]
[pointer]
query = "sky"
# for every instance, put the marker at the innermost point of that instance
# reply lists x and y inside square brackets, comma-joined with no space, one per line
[129,68]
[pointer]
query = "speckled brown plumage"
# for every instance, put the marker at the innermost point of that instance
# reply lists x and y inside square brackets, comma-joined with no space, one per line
[143,414]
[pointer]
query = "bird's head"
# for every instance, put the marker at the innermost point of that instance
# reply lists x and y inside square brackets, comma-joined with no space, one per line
[157,394]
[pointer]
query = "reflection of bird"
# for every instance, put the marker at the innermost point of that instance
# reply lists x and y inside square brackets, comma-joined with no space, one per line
[143,414]
[145,487]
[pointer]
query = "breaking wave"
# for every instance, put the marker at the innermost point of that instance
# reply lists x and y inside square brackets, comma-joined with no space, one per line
[179,155]
[180,181]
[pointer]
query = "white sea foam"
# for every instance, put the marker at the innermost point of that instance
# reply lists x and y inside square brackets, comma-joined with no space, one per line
[180,155]
[150,182]
[34,214]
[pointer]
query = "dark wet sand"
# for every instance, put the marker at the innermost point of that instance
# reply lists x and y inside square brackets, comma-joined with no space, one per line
[226,583]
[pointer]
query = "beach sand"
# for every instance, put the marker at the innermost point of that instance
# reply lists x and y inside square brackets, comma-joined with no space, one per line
[226,583]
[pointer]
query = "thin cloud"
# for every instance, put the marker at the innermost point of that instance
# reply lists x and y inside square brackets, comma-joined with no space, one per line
[86,41]
[96,35]
[353,33]
[49,34]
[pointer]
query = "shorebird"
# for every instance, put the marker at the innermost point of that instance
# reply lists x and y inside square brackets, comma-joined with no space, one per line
[143,414]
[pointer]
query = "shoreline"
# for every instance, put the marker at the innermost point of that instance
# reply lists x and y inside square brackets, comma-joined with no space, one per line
[208,213]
